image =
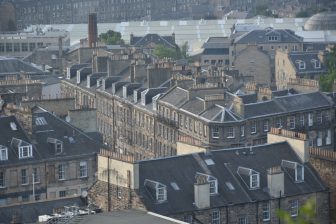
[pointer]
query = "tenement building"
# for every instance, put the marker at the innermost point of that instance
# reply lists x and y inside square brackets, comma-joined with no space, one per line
[253,53]
[301,64]
[220,119]
[238,185]
[147,110]
[43,158]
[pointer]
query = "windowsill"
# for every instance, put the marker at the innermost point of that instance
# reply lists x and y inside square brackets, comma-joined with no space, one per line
[25,184]
[253,133]
[215,137]
[61,179]
[230,137]
[3,187]
[37,182]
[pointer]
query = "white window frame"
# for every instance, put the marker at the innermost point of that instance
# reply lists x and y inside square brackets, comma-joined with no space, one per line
[302,65]
[328,137]
[215,132]
[25,152]
[254,181]
[299,173]
[319,138]
[83,169]
[3,153]
[242,220]
[242,130]
[213,185]
[215,217]
[294,208]
[292,122]
[254,127]
[319,117]
[24,178]
[266,212]
[310,119]
[231,132]
[161,193]
[61,171]
[266,125]
[36,175]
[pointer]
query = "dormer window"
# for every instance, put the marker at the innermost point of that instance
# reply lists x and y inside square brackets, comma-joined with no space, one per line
[40,121]
[143,97]
[212,181]
[294,169]
[250,177]
[25,150]
[272,38]
[158,189]
[302,64]
[57,144]
[316,63]
[3,153]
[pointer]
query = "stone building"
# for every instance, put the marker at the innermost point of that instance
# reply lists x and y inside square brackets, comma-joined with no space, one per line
[238,185]
[21,44]
[298,65]
[139,112]
[216,118]
[51,12]
[268,41]
[43,157]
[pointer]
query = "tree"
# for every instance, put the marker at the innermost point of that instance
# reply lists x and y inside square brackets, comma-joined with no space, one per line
[178,53]
[306,215]
[166,52]
[111,38]
[326,81]
[184,50]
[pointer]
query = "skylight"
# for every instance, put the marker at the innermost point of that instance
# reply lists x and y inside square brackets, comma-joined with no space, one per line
[209,162]
[175,186]
[13,126]
[230,186]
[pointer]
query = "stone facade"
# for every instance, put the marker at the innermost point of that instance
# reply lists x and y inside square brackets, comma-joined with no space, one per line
[118,188]
[254,65]
[50,12]
[325,164]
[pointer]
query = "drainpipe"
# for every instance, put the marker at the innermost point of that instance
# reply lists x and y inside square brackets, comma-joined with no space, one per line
[108,185]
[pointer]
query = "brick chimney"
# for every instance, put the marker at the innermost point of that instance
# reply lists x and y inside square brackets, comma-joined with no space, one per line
[202,192]
[275,182]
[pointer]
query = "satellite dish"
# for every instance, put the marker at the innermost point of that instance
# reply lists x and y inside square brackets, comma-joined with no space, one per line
[84,194]
[67,119]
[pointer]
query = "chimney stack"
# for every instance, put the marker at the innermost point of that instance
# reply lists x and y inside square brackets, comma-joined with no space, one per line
[93,30]
[275,182]
[202,192]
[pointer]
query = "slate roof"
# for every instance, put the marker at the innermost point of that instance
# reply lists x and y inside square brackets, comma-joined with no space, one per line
[75,142]
[45,125]
[176,96]
[6,137]
[182,171]
[261,36]
[308,58]
[30,212]
[126,217]
[288,103]
[16,66]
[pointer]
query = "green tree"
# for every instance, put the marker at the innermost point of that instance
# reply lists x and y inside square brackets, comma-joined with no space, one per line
[111,38]
[184,50]
[307,214]
[165,52]
[326,81]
